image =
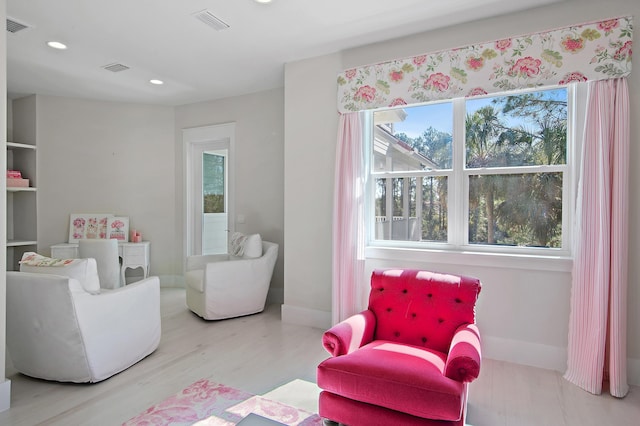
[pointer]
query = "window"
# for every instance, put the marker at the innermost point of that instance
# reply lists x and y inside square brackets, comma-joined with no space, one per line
[213,182]
[487,173]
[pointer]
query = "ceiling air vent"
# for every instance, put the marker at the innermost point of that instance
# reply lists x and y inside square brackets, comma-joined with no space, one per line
[14,26]
[211,20]
[115,67]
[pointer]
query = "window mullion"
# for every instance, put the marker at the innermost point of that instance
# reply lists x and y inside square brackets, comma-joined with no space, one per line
[562,168]
[458,188]
[576,96]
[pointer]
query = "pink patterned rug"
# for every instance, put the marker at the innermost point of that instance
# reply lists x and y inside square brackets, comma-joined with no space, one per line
[206,403]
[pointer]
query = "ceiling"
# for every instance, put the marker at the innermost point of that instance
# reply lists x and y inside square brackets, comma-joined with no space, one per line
[162,39]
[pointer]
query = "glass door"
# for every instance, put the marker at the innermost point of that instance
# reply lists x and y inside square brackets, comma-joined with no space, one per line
[209,187]
[215,217]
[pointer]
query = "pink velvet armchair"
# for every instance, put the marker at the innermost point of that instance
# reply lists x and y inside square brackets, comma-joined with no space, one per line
[408,358]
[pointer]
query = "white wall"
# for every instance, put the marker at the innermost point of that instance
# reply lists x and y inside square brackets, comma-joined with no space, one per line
[259,162]
[309,157]
[523,309]
[96,156]
[108,157]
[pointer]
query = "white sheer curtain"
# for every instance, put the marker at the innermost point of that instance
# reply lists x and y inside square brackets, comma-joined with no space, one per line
[598,321]
[348,219]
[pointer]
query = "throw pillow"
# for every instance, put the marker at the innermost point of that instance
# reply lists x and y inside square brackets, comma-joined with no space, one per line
[236,244]
[84,270]
[252,247]
[245,246]
[35,259]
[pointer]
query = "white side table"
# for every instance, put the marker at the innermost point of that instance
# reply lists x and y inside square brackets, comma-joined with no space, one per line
[133,255]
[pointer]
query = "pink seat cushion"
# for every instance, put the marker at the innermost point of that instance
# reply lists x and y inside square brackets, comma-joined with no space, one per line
[400,377]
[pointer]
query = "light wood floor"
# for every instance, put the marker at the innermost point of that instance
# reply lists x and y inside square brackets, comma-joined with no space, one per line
[259,353]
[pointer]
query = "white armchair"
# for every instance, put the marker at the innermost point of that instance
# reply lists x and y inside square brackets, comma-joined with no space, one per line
[223,286]
[59,328]
[105,252]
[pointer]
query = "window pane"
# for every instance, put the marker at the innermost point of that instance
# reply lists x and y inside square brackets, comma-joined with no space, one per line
[413,138]
[411,209]
[434,208]
[517,209]
[213,183]
[518,130]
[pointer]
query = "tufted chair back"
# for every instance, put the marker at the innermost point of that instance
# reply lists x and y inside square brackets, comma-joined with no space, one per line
[421,308]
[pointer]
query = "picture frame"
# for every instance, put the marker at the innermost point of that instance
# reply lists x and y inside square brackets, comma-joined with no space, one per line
[88,226]
[118,228]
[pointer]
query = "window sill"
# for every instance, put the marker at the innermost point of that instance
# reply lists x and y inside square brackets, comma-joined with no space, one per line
[484,259]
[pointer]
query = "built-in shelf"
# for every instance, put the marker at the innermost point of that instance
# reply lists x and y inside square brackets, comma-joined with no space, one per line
[20,189]
[19,243]
[20,145]
[22,201]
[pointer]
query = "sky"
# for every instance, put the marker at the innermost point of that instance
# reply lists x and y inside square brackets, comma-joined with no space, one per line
[440,115]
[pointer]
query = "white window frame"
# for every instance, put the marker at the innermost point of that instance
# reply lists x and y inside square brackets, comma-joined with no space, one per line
[458,199]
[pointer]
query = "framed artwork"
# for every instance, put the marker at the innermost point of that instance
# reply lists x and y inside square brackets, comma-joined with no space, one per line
[118,228]
[88,226]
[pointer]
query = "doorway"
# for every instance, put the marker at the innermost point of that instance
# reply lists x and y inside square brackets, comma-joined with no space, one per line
[208,188]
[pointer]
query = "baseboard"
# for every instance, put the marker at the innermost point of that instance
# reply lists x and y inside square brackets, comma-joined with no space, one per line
[275,296]
[525,353]
[5,395]
[171,281]
[541,356]
[308,317]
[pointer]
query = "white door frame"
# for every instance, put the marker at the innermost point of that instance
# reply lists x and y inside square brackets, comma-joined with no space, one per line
[198,138]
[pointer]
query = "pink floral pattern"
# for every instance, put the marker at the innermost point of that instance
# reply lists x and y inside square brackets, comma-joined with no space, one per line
[592,51]
[78,228]
[35,259]
[525,67]
[277,411]
[210,403]
[198,401]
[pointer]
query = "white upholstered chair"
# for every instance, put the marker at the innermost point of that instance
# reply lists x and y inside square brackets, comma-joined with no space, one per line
[105,252]
[225,286]
[62,326]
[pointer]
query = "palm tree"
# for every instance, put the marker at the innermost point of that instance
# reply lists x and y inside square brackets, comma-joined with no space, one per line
[534,204]
[482,130]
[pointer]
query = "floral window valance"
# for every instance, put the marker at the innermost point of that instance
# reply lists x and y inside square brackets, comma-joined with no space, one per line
[593,51]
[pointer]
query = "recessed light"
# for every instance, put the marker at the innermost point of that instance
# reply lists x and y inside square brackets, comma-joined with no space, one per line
[156,81]
[263,1]
[56,45]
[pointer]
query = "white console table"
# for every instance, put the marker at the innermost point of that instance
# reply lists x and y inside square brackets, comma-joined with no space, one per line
[133,255]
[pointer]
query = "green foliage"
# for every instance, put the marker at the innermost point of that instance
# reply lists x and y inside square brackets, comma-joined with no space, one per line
[611,70]
[519,209]
[590,34]
[553,57]
[214,203]
[523,209]
[383,86]
[433,193]
[408,68]
[459,74]
[489,53]
[433,144]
